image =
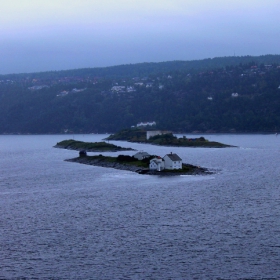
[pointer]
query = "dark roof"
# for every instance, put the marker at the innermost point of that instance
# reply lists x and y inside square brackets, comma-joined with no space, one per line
[142,153]
[174,157]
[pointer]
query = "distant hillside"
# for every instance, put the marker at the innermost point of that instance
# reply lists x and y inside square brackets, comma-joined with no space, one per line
[231,94]
[149,68]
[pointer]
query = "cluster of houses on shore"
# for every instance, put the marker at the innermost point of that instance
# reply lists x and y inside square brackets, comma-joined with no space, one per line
[169,161]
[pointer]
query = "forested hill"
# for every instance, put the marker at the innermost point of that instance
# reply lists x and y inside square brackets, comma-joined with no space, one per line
[145,69]
[231,94]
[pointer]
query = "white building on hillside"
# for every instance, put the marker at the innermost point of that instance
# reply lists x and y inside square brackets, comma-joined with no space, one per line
[172,161]
[130,89]
[146,124]
[118,88]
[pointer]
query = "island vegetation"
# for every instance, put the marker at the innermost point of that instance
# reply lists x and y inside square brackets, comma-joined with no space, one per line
[129,163]
[164,139]
[90,146]
[171,140]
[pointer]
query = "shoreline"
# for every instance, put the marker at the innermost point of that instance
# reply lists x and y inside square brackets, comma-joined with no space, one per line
[193,170]
[178,146]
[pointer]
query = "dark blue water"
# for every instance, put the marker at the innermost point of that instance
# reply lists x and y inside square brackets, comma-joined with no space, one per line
[62,220]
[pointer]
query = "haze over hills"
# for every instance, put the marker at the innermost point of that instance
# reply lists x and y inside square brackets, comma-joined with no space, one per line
[226,94]
[148,68]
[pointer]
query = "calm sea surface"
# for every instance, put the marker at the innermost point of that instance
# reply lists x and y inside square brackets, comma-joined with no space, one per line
[62,220]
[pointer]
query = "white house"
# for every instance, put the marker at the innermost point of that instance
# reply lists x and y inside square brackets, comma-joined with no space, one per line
[172,161]
[130,89]
[63,93]
[78,90]
[118,88]
[156,164]
[139,84]
[141,155]
[35,87]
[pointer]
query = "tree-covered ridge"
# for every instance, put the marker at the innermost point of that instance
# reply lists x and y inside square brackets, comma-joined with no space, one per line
[143,69]
[234,98]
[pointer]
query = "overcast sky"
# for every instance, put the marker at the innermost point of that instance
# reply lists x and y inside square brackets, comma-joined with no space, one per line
[43,35]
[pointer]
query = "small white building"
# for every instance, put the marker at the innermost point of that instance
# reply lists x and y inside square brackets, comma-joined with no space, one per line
[63,93]
[118,88]
[78,90]
[130,89]
[157,164]
[141,155]
[34,87]
[172,161]
[146,124]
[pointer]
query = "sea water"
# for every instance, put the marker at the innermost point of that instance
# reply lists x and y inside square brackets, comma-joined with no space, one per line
[63,220]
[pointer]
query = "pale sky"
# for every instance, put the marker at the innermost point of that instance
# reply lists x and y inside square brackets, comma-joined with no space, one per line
[43,35]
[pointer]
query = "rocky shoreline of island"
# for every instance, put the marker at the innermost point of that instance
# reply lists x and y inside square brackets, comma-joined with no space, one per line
[163,138]
[101,161]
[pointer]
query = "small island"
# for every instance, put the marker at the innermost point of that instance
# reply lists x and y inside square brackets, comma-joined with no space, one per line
[147,164]
[90,146]
[163,138]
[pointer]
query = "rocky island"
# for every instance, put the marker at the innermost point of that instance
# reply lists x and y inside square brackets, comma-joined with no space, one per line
[163,138]
[141,163]
[90,146]
[130,163]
